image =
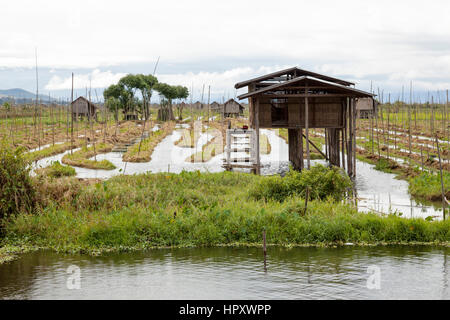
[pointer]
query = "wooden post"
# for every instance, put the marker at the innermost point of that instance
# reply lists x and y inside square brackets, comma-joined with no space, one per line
[228,154]
[71,117]
[409,123]
[264,243]
[265,250]
[442,179]
[388,122]
[306,200]
[295,140]
[308,156]
[421,156]
[349,141]
[347,135]
[354,137]
[448,131]
[258,159]
[343,148]
[378,134]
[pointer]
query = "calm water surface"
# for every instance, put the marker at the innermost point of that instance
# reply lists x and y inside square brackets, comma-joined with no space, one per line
[233,273]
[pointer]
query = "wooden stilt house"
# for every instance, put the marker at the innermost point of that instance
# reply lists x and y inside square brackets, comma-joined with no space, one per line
[300,100]
[82,107]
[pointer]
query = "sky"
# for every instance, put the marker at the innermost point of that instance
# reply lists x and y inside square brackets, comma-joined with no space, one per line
[383,45]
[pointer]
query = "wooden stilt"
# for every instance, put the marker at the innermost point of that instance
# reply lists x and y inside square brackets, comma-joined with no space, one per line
[295,141]
[258,158]
[349,141]
[308,156]
[354,138]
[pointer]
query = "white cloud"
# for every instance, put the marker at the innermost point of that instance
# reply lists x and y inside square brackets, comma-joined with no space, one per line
[398,40]
[222,83]
[95,79]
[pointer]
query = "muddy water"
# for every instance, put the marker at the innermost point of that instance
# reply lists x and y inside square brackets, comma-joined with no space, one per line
[234,273]
[377,191]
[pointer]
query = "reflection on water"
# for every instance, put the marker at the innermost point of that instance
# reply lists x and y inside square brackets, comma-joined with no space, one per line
[233,273]
[381,192]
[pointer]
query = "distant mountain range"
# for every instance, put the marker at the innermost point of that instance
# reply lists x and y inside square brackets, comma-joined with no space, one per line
[21,96]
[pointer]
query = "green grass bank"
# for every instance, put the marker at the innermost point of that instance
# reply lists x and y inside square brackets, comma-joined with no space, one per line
[208,209]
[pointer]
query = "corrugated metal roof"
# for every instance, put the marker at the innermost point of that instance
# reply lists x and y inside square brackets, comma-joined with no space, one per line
[311,80]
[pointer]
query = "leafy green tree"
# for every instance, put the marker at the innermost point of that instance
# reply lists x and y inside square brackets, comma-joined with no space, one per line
[182,93]
[150,82]
[169,93]
[113,105]
[119,92]
[130,83]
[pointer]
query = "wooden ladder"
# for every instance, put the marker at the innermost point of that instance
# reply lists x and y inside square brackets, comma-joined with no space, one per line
[240,141]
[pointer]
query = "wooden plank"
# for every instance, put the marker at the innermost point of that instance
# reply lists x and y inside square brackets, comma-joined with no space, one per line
[242,166]
[315,147]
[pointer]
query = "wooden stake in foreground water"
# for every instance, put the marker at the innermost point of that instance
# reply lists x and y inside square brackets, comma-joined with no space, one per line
[442,178]
[265,250]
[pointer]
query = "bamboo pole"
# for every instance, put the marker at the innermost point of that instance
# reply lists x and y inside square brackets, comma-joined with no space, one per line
[71,121]
[308,156]
[409,121]
[442,178]
[448,129]
[91,123]
[354,136]
[378,133]
[258,159]
[388,127]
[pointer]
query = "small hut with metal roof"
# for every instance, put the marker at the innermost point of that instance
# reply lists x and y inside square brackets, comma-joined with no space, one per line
[300,100]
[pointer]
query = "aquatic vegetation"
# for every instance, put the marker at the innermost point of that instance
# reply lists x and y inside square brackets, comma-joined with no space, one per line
[82,157]
[142,152]
[386,165]
[51,151]
[195,209]
[57,170]
[264,144]
[428,186]
[187,139]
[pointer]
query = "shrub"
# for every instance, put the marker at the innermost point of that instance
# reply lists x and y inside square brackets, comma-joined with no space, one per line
[321,181]
[16,190]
